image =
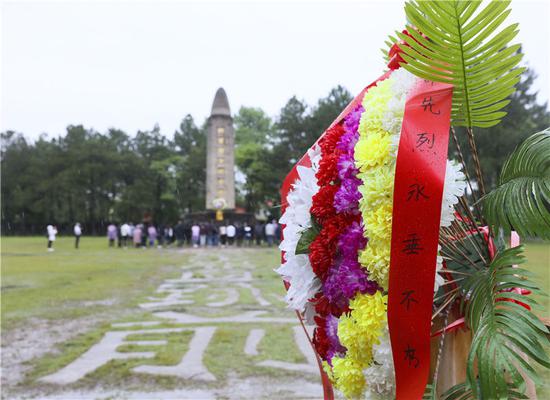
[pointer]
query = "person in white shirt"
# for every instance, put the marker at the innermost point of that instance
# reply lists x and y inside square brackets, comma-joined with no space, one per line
[195,235]
[270,229]
[77,233]
[52,231]
[231,233]
[125,232]
[223,235]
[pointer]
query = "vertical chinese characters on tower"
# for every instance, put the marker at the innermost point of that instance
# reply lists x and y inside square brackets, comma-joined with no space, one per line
[220,180]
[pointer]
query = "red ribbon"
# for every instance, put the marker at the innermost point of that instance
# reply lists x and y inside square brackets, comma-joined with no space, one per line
[418,191]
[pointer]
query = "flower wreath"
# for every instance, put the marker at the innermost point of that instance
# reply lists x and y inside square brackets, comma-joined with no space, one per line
[337,237]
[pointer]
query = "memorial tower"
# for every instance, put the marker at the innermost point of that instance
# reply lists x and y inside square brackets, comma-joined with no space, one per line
[220,157]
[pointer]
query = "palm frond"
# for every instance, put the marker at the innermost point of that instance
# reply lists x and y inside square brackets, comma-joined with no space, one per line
[389,44]
[429,393]
[462,46]
[462,391]
[459,391]
[503,328]
[521,202]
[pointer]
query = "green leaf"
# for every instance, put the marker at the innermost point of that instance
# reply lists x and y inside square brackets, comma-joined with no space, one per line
[430,392]
[308,236]
[465,47]
[501,329]
[521,202]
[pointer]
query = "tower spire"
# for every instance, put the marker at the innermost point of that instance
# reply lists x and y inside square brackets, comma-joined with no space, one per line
[220,106]
[220,163]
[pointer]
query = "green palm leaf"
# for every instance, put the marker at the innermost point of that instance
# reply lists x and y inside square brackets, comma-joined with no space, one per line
[463,47]
[430,392]
[462,391]
[502,330]
[521,202]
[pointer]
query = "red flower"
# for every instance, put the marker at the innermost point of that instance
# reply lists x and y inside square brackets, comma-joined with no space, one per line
[324,307]
[328,169]
[335,225]
[323,203]
[320,257]
[321,340]
[330,139]
[325,246]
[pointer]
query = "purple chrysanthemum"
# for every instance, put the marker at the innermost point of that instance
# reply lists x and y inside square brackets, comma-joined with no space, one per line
[332,288]
[351,241]
[348,196]
[336,348]
[351,125]
[353,279]
[346,278]
[346,167]
[347,141]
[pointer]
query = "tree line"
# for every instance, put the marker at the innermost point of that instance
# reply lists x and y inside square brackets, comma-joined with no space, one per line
[93,177]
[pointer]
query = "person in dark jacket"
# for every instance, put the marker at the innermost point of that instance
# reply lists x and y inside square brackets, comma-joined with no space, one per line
[240,234]
[214,235]
[248,233]
[179,233]
[259,233]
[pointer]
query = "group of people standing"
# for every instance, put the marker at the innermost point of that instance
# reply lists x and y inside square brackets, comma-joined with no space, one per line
[232,234]
[196,234]
[140,235]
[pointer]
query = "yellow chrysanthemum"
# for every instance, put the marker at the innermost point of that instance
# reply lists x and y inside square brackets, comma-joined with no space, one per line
[358,331]
[357,340]
[376,258]
[361,328]
[369,311]
[375,158]
[348,377]
[372,150]
[377,186]
[378,222]
[375,104]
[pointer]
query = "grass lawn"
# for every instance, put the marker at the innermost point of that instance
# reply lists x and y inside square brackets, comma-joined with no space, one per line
[95,280]
[70,283]
[538,262]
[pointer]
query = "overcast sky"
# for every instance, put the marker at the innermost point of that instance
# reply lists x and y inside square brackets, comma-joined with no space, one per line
[130,65]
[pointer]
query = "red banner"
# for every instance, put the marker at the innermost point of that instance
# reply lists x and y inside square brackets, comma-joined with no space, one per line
[418,191]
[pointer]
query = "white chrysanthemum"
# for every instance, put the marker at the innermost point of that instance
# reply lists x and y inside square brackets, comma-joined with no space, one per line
[304,284]
[296,268]
[439,280]
[403,82]
[296,217]
[314,154]
[380,376]
[453,189]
